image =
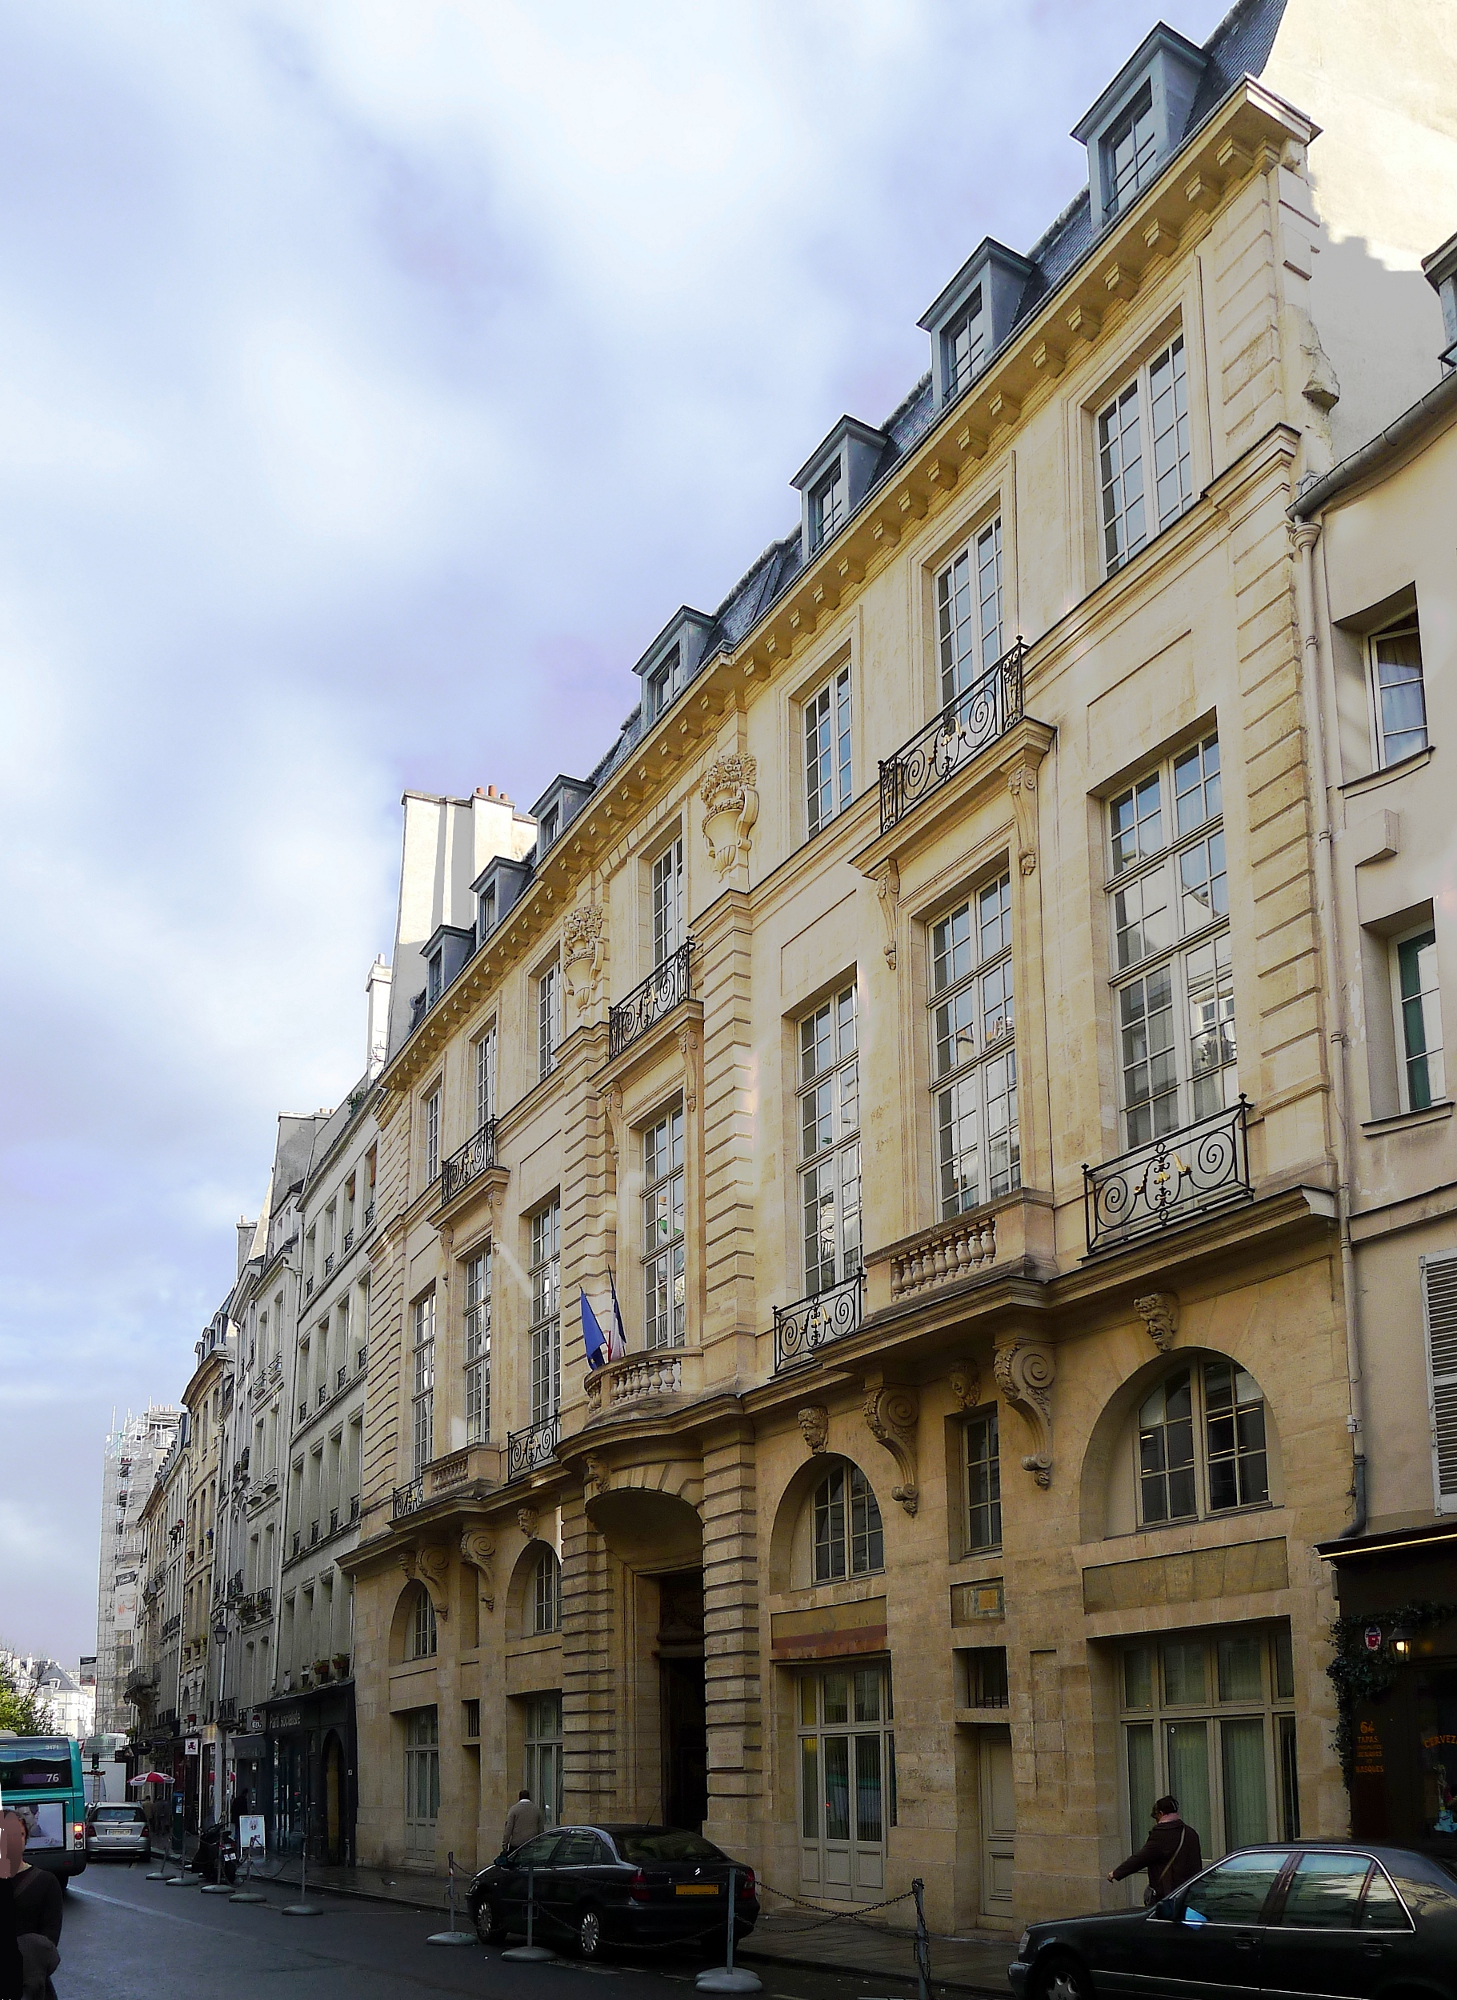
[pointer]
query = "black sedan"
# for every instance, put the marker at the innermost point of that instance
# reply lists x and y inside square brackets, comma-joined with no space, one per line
[599,1885]
[1342,1920]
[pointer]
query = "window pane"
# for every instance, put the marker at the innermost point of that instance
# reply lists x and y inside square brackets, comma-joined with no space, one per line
[809,1786]
[1141,1780]
[1235,1891]
[1400,699]
[983,1483]
[837,1697]
[1421,1019]
[1138,1678]
[867,1694]
[1186,1746]
[1326,1892]
[1242,1749]
[1184,1676]
[1168,392]
[869,1816]
[1289,1779]
[1241,1668]
[837,1788]
[1120,465]
[1382,1909]
[1284,1667]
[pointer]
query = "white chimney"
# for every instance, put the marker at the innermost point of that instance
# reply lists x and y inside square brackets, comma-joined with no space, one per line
[377,986]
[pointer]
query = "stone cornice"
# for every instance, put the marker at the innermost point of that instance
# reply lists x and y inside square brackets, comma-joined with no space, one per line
[1252,130]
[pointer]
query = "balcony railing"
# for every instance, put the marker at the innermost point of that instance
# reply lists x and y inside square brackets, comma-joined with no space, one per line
[977,717]
[369,1215]
[408,1499]
[474,1157]
[1169,1179]
[536,1445]
[816,1321]
[665,987]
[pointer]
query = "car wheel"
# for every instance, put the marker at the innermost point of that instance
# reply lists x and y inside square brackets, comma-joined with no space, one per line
[489,1927]
[589,1933]
[1064,1979]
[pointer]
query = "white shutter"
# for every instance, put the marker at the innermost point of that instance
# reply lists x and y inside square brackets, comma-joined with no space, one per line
[1439,1311]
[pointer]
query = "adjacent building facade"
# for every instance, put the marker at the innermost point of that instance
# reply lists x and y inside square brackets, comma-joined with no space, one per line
[134,1450]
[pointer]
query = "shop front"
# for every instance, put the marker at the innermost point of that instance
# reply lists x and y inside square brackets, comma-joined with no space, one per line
[1396,1674]
[310,1792]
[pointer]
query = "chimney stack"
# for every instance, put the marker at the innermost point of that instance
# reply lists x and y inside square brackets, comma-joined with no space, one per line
[377,986]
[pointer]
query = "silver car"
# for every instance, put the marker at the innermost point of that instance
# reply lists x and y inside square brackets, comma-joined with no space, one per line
[116,1830]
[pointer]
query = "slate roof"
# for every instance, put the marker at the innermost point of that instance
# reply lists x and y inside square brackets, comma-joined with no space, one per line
[1240,46]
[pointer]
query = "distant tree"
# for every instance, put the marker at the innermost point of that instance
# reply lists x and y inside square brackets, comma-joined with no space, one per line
[21,1706]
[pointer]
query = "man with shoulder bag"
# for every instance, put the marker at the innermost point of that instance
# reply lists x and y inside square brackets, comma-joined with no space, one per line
[1171,1854]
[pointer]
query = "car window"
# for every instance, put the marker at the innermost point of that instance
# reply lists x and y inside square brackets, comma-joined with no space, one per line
[127,1815]
[666,1843]
[1383,1909]
[1235,1891]
[578,1850]
[1325,1894]
[536,1853]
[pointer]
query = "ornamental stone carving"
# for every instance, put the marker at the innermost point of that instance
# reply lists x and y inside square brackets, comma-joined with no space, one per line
[595,1476]
[584,943]
[528,1520]
[688,1049]
[1159,1312]
[478,1548]
[1022,784]
[1024,1371]
[814,1420]
[966,1384]
[892,1416]
[433,1565]
[730,808]
[888,891]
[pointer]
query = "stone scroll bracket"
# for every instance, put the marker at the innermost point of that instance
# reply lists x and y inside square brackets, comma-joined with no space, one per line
[892,1416]
[888,891]
[432,1566]
[688,1048]
[478,1548]
[1024,1371]
[1159,1312]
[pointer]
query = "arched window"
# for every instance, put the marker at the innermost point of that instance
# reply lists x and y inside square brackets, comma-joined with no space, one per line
[1201,1444]
[848,1540]
[546,1594]
[421,1639]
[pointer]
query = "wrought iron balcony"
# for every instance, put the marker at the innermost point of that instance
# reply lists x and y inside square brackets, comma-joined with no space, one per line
[977,717]
[1169,1179]
[474,1157]
[665,987]
[369,1215]
[816,1321]
[407,1499]
[532,1447]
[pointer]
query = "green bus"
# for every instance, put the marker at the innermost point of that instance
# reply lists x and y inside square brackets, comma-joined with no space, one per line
[40,1778]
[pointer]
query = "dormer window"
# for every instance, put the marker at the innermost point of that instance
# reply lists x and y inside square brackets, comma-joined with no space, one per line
[672,660]
[664,683]
[962,347]
[550,826]
[827,507]
[555,810]
[486,903]
[1130,151]
[435,978]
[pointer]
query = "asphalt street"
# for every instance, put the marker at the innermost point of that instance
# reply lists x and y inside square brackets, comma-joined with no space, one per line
[129,1939]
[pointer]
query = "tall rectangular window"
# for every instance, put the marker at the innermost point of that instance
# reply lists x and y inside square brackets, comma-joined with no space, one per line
[1145,471]
[983,1484]
[478,1347]
[545,1279]
[1129,154]
[826,507]
[422,1397]
[973,1061]
[829,1142]
[548,1019]
[1398,696]
[664,1277]
[667,890]
[827,779]
[432,1135]
[486,1077]
[664,683]
[962,346]
[1419,1021]
[1173,972]
[969,613]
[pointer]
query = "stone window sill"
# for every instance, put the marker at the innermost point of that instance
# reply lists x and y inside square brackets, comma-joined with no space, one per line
[1406,1121]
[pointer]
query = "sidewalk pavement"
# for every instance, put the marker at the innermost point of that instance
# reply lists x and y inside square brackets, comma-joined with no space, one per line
[973,1964]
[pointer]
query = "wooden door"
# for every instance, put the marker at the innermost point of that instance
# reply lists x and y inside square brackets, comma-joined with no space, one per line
[998,1822]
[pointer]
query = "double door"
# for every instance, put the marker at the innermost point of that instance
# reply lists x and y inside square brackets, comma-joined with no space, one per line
[846,1781]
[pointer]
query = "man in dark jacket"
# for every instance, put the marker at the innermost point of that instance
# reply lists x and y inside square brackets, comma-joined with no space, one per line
[1170,1854]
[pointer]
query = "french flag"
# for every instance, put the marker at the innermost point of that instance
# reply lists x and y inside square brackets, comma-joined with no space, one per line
[602,1346]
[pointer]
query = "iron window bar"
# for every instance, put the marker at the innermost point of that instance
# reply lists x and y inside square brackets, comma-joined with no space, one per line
[1169,1179]
[534,1446]
[406,1499]
[474,1157]
[978,716]
[815,1321]
[655,997]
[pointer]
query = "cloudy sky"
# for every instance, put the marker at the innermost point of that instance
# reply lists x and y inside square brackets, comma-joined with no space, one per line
[375,378]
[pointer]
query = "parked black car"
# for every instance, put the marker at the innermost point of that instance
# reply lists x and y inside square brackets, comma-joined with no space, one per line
[601,1885]
[1320,1919]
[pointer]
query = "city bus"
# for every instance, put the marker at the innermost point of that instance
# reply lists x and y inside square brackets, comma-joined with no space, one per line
[40,1778]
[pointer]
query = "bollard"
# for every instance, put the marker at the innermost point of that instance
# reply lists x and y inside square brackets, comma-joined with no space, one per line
[531,1952]
[453,1935]
[923,1942]
[303,1907]
[728,1977]
[248,1894]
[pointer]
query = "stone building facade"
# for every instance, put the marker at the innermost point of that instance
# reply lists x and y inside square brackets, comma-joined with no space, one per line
[922,1033]
[134,1450]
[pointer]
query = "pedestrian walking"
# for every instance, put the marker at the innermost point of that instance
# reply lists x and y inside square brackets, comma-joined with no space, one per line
[523,1822]
[35,1913]
[1171,1854]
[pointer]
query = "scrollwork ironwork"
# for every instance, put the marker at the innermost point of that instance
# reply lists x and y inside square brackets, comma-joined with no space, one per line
[978,716]
[534,1446]
[474,1157]
[816,1321]
[655,997]
[1169,1179]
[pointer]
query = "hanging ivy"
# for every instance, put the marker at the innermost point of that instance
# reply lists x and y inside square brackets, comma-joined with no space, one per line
[1361,1675]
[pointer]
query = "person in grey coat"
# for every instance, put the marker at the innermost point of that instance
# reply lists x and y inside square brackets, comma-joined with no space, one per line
[523,1822]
